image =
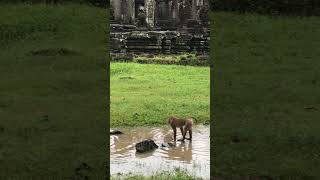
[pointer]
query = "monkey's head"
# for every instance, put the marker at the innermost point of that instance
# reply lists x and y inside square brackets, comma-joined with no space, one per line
[170,120]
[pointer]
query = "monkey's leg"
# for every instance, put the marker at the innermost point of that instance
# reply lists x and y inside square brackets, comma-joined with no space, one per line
[188,127]
[181,129]
[183,134]
[190,134]
[174,134]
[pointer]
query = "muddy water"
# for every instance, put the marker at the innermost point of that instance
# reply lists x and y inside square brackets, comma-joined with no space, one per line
[194,156]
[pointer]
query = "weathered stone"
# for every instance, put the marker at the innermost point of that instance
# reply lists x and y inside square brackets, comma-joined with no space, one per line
[166,14]
[158,42]
[145,146]
[144,42]
[159,27]
[141,20]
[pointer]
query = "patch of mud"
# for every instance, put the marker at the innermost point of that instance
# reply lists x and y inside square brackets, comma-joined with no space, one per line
[53,52]
[191,156]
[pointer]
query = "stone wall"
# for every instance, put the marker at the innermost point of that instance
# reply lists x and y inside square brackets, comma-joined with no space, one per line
[158,42]
[172,27]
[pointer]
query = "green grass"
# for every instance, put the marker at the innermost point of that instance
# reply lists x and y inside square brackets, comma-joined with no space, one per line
[176,175]
[146,94]
[266,73]
[52,63]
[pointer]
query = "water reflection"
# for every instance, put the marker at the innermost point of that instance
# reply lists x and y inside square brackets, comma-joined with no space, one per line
[193,156]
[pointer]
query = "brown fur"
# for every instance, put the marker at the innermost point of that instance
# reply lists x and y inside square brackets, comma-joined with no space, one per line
[185,125]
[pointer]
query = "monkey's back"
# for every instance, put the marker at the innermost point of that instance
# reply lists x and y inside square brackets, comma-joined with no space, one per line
[180,122]
[189,122]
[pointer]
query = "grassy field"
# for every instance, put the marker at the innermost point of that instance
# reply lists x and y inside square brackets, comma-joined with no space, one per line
[52,92]
[176,175]
[266,96]
[146,94]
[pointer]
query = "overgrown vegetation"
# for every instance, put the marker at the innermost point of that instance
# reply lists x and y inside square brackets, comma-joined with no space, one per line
[99,3]
[52,93]
[146,94]
[181,59]
[175,175]
[266,96]
[274,7]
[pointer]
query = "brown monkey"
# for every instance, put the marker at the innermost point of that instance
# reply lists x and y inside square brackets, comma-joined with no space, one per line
[184,125]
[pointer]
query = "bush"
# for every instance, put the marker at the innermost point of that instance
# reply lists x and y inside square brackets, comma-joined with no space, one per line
[273,7]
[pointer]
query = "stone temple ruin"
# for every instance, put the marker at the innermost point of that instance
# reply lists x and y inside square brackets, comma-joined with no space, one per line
[159,26]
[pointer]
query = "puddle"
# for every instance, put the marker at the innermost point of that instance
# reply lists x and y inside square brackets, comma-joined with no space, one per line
[194,156]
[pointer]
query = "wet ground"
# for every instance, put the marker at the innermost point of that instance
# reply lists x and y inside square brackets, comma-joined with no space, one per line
[194,156]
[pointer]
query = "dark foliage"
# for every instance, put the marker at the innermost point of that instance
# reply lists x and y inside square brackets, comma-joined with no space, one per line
[272,7]
[99,3]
